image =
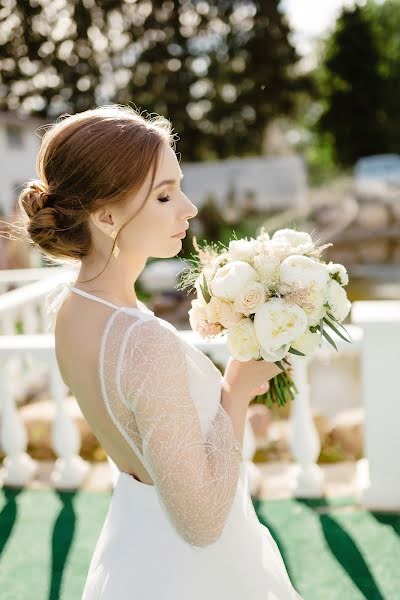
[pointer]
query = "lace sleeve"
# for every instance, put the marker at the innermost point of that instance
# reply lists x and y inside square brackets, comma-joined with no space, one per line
[195,473]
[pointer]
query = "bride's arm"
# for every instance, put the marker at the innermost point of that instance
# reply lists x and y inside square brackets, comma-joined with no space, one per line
[195,475]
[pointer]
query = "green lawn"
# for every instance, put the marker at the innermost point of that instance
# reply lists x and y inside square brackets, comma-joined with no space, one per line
[333,550]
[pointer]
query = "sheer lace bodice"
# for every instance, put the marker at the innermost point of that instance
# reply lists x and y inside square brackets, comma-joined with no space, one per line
[196,525]
[163,395]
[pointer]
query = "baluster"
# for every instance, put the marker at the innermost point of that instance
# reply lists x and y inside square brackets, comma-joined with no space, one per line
[18,467]
[304,440]
[69,469]
[29,317]
[8,322]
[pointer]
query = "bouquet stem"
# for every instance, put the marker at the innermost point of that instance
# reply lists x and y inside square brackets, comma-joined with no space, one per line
[282,389]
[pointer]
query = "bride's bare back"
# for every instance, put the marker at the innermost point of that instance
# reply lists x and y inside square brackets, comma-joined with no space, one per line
[79,327]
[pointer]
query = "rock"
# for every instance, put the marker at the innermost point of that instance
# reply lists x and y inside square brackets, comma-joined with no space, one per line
[374,251]
[373,216]
[347,431]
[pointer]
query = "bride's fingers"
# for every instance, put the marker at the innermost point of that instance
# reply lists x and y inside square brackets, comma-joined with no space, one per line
[262,389]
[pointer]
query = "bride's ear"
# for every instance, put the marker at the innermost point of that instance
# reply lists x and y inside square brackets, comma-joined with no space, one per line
[102,220]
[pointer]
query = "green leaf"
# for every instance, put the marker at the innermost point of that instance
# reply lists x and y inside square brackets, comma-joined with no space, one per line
[338,323]
[280,365]
[328,337]
[205,291]
[336,330]
[294,351]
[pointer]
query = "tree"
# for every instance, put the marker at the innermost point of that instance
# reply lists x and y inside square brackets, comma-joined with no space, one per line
[385,21]
[352,86]
[220,71]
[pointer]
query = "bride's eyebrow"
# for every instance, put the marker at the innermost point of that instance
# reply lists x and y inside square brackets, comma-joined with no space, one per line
[166,181]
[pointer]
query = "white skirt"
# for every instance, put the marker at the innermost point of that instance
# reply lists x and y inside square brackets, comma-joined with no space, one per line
[140,555]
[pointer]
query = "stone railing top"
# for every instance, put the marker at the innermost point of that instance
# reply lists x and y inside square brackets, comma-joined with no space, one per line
[376,311]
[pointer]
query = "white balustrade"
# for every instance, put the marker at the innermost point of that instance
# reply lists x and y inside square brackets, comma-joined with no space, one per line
[379,472]
[26,303]
[18,469]
[374,332]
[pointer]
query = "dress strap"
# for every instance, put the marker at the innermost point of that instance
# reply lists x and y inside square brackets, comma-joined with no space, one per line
[137,311]
[93,297]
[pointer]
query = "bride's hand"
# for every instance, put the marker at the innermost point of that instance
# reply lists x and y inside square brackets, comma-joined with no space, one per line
[243,379]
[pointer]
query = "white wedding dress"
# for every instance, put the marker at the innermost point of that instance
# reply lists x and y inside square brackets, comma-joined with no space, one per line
[194,534]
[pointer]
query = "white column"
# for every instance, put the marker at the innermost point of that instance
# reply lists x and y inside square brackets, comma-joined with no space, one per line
[18,467]
[70,469]
[304,440]
[380,366]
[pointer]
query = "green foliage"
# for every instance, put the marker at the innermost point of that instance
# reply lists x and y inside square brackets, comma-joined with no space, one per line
[358,81]
[218,71]
[351,86]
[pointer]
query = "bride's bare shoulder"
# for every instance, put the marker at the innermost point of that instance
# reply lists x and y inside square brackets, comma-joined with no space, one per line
[77,332]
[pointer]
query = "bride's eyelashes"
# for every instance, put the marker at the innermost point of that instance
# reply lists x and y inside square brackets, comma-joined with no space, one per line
[165,198]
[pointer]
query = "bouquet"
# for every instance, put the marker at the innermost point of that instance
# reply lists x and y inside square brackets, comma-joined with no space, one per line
[271,296]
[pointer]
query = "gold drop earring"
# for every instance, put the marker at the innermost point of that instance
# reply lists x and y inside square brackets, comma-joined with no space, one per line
[113,235]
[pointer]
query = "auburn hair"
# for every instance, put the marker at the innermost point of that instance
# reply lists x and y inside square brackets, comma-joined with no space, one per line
[85,161]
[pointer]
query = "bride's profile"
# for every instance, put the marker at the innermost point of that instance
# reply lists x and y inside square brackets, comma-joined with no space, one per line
[180,524]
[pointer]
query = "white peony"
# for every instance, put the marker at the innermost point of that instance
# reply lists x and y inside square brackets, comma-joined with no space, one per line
[263,236]
[303,271]
[277,323]
[299,241]
[276,354]
[230,279]
[311,299]
[315,308]
[251,297]
[307,342]
[339,272]
[242,342]
[337,299]
[242,249]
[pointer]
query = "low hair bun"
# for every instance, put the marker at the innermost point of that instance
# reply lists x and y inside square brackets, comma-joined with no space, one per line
[34,197]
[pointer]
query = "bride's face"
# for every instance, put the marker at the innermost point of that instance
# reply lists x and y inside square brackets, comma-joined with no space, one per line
[165,213]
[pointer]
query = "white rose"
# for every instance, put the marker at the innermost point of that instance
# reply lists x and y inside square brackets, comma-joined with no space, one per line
[299,241]
[337,299]
[228,315]
[242,342]
[307,342]
[230,279]
[242,249]
[250,298]
[303,271]
[339,271]
[267,268]
[197,314]
[277,323]
[199,322]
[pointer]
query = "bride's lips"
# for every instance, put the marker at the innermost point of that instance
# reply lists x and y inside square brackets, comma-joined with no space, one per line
[181,234]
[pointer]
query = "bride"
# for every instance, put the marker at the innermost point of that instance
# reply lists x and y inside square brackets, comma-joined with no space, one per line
[180,524]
